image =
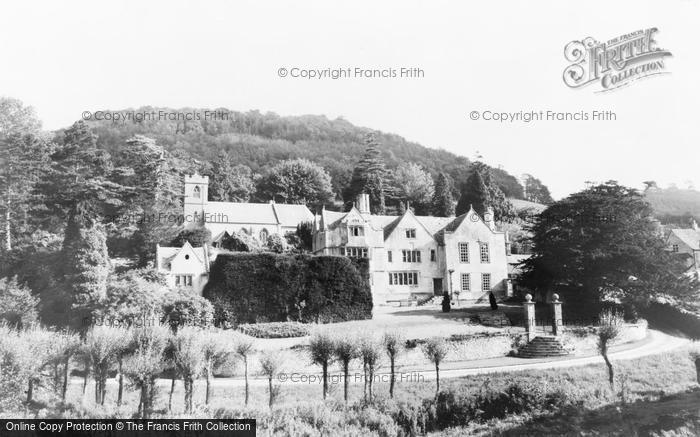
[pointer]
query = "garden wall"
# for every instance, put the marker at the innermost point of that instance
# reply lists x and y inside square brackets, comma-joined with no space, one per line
[268,287]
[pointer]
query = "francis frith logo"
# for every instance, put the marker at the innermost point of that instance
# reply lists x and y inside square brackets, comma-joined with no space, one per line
[615,63]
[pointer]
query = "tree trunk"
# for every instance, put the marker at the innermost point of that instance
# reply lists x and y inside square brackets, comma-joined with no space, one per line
[85,377]
[144,402]
[170,397]
[188,395]
[98,390]
[30,390]
[325,380]
[697,369]
[393,378]
[209,370]
[346,375]
[120,391]
[8,217]
[66,372]
[370,384]
[247,388]
[611,372]
[269,381]
[364,390]
[437,379]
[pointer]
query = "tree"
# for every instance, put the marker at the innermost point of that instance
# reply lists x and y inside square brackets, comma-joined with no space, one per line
[17,305]
[64,346]
[474,195]
[270,366]
[601,244]
[345,351]
[102,345]
[412,184]
[321,349]
[443,200]
[146,363]
[181,307]
[241,242]
[435,349]
[196,235]
[369,176]
[275,243]
[394,344]
[216,351]
[188,357]
[370,353]
[22,151]
[297,181]
[301,240]
[609,325]
[230,183]
[536,191]
[244,347]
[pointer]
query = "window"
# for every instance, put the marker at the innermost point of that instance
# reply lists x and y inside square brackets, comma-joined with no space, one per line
[183,280]
[433,257]
[485,281]
[197,193]
[464,252]
[403,278]
[187,257]
[484,252]
[355,252]
[675,248]
[388,256]
[411,256]
[357,231]
[263,235]
[411,233]
[465,282]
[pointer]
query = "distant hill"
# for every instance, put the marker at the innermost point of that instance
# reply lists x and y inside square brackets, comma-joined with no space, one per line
[260,140]
[674,205]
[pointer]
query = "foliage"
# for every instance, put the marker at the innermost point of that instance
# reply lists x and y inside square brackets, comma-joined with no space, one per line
[413,184]
[370,352]
[480,190]
[229,182]
[602,243]
[474,195]
[187,351]
[131,296]
[241,242]
[270,366]
[394,345]
[296,181]
[270,287]
[443,203]
[276,243]
[369,176]
[321,352]
[17,305]
[182,307]
[197,236]
[301,240]
[536,191]
[102,345]
[275,329]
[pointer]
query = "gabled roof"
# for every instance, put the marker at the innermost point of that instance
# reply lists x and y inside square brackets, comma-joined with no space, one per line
[166,255]
[690,237]
[258,213]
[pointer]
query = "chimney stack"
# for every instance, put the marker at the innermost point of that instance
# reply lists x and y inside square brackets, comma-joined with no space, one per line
[362,203]
[489,218]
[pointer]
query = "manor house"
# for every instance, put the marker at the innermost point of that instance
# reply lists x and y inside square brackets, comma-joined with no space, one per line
[419,256]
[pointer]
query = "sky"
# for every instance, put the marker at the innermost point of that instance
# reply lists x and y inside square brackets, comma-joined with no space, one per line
[64,58]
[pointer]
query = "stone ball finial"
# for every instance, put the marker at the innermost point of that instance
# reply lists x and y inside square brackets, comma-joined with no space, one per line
[555,297]
[528,297]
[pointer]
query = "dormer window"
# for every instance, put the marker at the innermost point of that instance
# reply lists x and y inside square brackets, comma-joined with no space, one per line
[411,233]
[357,231]
[197,193]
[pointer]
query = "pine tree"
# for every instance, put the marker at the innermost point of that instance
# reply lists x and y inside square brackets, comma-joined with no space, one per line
[369,176]
[474,195]
[229,182]
[443,201]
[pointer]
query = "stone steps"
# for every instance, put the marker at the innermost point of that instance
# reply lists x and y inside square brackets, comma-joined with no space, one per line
[542,347]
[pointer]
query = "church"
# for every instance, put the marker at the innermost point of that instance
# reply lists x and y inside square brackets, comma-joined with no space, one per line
[415,257]
[188,267]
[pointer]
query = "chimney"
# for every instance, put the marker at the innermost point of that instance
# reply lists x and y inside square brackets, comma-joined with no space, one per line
[489,219]
[362,203]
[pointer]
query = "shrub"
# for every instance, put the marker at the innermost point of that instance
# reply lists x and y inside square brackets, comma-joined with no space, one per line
[666,316]
[276,243]
[197,236]
[301,288]
[17,305]
[241,242]
[275,330]
[182,307]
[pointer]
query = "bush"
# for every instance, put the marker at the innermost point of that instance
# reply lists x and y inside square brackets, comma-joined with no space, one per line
[17,305]
[275,330]
[666,316]
[272,287]
[182,307]
[197,236]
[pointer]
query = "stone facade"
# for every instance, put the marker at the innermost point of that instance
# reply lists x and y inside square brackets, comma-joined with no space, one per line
[419,256]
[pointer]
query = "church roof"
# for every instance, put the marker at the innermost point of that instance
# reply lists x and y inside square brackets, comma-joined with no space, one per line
[258,213]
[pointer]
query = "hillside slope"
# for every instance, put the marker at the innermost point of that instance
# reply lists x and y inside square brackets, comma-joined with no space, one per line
[260,140]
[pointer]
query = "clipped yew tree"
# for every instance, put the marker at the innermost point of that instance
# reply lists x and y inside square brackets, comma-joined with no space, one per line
[269,287]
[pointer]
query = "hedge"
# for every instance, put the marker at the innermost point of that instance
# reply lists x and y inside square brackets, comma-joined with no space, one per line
[269,287]
[275,329]
[668,317]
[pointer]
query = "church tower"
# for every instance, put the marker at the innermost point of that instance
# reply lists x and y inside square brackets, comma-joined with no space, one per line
[196,196]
